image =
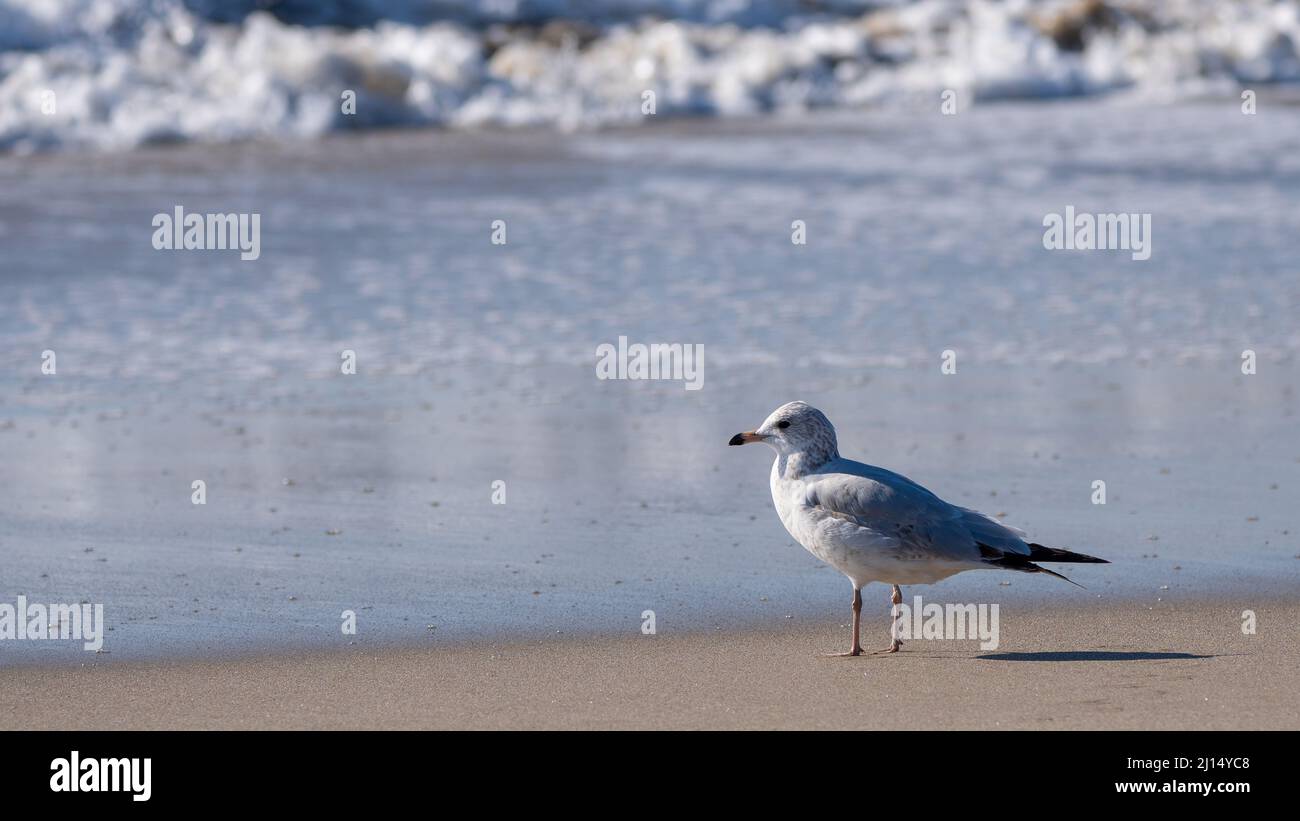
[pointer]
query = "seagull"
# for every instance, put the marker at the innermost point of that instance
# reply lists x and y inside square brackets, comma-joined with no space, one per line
[872,524]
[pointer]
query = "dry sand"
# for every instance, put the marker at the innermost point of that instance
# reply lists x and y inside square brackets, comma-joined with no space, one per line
[1165,665]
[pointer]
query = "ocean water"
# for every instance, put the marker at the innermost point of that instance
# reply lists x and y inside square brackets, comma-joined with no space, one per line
[115,74]
[373,492]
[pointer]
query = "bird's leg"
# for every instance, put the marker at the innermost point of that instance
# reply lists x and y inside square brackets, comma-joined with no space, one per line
[856,649]
[895,599]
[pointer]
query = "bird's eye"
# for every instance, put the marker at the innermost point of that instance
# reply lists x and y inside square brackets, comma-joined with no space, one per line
[783,424]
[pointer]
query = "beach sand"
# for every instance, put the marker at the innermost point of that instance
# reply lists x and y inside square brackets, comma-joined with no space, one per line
[1106,665]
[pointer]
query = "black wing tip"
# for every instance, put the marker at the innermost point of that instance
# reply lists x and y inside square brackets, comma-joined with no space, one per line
[1043,553]
[1017,561]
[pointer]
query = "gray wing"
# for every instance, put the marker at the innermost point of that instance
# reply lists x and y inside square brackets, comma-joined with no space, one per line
[894,514]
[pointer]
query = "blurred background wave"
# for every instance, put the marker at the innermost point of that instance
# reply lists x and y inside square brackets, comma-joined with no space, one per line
[114,74]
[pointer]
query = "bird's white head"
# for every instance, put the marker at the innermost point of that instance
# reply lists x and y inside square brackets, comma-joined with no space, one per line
[796,429]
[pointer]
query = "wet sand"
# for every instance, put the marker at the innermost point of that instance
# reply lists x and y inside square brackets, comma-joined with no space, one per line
[357,497]
[1099,666]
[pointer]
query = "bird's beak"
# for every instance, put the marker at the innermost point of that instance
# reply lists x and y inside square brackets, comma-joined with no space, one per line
[745,438]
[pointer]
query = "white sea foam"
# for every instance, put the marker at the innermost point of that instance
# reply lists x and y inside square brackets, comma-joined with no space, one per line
[123,75]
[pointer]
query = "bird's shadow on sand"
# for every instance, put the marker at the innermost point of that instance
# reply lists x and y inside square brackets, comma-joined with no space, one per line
[1091,655]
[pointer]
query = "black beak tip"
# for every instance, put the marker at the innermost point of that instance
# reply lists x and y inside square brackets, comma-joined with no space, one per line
[737,440]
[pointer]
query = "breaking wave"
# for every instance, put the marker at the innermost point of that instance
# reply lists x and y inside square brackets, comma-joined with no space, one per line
[115,74]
